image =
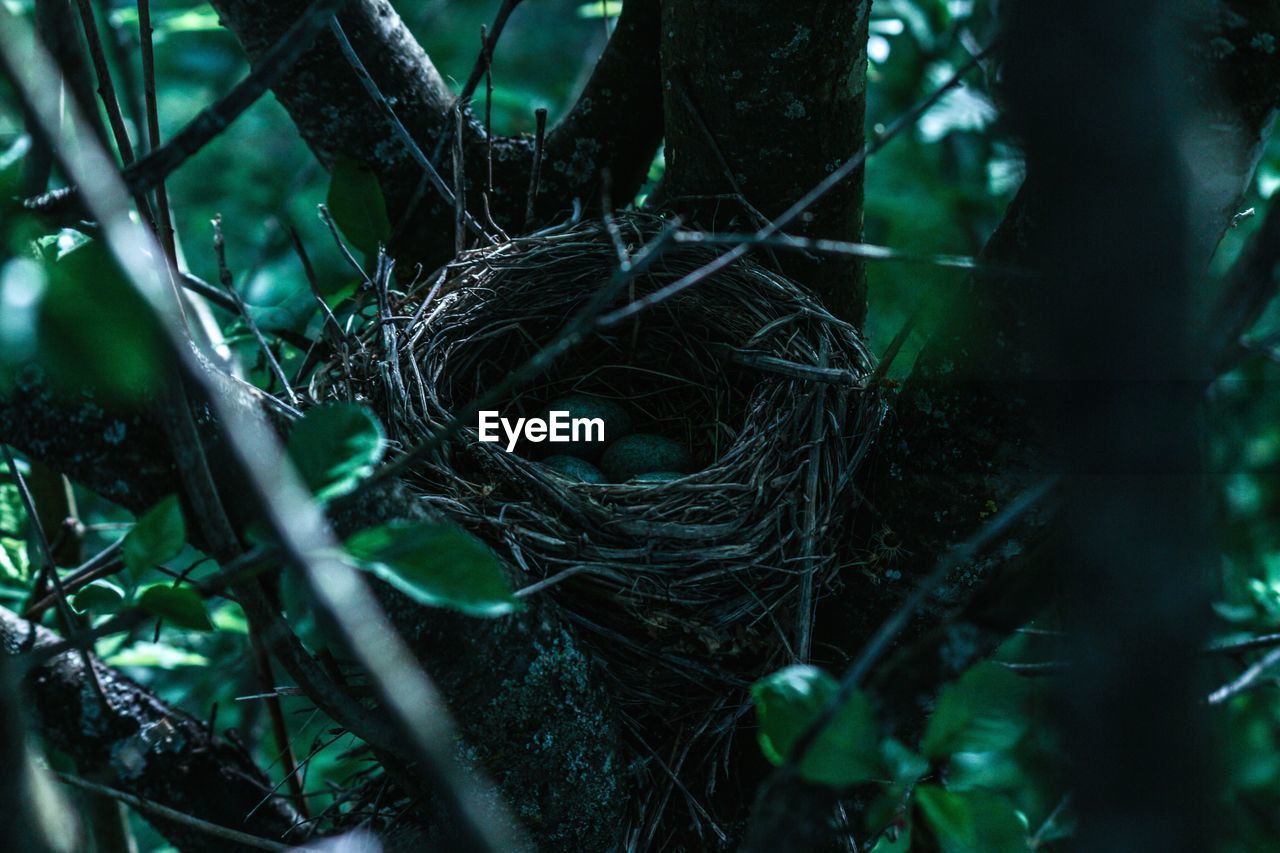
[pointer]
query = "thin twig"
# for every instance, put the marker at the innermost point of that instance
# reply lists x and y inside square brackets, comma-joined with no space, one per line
[212,829]
[1247,679]
[107,92]
[106,89]
[202,288]
[879,643]
[895,347]
[481,64]
[244,568]
[850,166]
[459,186]
[224,274]
[379,100]
[488,112]
[488,42]
[279,728]
[535,170]
[804,609]
[102,564]
[164,223]
[50,569]
[866,251]
[1262,641]
[314,283]
[147,173]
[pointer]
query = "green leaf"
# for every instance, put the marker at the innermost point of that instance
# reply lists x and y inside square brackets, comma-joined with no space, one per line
[437,564]
[14,563]
[100,596]
[93,327]
[788,701]
[177,605]
[984,711]
[973,820]
[600,9]
[356,202]
[157,656]
[334,446]
[13,515]
[158,536]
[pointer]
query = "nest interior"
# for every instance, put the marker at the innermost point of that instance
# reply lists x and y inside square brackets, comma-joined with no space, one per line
[686,590]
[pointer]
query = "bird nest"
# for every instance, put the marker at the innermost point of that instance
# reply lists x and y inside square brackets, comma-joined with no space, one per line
[687,589]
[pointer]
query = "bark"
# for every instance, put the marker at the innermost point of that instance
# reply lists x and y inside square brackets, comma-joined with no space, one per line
[522,690]
[614,126]
[137,744]
[766,99]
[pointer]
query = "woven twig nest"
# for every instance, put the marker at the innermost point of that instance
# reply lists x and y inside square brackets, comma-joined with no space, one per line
[684,586]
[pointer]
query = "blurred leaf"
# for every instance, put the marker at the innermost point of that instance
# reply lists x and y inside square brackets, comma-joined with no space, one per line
[334,447]
[14,562]
[158,536]
[356,202]
[605,9]
[961,109]
[900,843]
[789,700]
[230,618]
[969,822]
[11,164]
[985,710]
[13,515]
[198,20]
[437,564]
[100,596]
[178,605]
[156,655]
[22,288]
[93,327]
[904,768]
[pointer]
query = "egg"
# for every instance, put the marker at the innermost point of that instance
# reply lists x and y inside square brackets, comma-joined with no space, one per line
[617,423]
[641,453]
[573,468]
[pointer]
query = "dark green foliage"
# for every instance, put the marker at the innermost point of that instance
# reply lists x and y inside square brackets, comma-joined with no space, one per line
[435,563]
[334,446]
[158,536]
[356,202]
[181,606]
[789,701]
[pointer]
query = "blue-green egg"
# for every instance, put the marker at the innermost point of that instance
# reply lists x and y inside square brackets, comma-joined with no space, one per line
[591,445]
[573,468]
[642,453]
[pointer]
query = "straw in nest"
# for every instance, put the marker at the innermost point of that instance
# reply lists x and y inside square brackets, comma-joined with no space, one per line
[687,590]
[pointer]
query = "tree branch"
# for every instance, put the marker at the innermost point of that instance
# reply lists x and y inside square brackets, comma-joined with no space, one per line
[615,125]
[780,89]
[540,723]
[139,745]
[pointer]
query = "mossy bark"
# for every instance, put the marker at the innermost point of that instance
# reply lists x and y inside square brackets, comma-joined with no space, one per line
[762,101]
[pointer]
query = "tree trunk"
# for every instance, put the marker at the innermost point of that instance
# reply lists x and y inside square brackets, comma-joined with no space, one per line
[762,101]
